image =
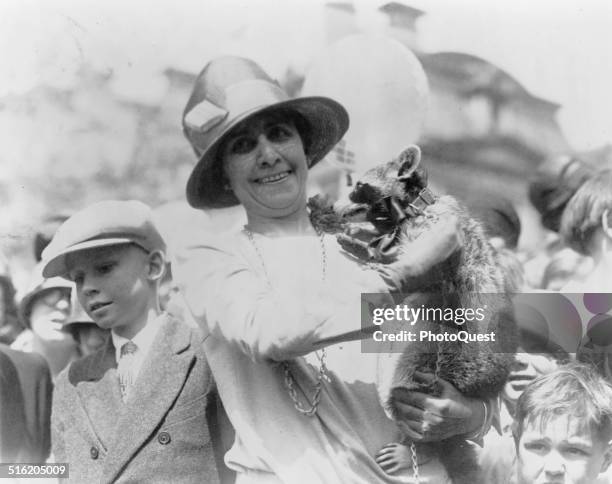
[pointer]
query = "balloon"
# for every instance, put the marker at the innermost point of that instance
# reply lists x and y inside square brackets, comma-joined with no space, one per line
[383,87]
[181,225]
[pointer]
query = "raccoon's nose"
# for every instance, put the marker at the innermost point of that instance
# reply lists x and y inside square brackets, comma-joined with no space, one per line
[358,185]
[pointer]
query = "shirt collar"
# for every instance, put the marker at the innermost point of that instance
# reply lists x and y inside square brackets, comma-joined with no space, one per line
[143,339]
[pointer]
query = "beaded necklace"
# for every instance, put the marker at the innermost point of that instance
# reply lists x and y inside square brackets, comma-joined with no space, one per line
[289,378]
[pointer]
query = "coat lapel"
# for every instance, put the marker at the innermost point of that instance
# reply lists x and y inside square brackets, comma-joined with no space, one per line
[98,389]
[156,388]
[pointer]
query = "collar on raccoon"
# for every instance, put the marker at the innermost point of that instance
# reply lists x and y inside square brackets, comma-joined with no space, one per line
[392,212]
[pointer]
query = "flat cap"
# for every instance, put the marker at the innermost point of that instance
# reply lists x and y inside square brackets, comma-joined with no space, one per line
[107,223]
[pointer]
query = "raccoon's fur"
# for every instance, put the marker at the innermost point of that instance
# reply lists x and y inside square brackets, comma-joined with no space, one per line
[468,280]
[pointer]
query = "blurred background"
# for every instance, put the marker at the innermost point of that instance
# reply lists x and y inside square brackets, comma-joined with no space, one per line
[91,93]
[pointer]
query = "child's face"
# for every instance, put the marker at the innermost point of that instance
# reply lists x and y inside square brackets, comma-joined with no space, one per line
[564,452]
[526,368]
[113,286]
[91,338]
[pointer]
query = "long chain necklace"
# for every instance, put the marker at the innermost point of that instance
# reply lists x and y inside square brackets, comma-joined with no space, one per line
[289,378]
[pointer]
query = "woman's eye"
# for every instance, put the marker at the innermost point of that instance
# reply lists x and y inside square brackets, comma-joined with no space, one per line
[279,132]
[242,145]
[76,278]
[105,268]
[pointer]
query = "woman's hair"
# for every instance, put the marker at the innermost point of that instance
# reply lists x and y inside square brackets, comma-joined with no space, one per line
[574,389]
[582,216]
[556,182]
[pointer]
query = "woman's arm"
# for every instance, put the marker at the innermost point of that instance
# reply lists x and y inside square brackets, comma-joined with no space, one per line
[231,301]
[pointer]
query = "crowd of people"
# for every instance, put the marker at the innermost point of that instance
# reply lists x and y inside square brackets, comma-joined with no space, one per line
[254,372]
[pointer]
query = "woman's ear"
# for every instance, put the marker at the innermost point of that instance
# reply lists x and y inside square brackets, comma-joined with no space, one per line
[157,264]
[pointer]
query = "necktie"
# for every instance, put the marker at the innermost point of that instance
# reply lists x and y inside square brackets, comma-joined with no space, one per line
[125,368]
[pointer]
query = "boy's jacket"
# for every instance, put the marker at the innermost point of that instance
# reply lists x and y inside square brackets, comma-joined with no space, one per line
[160,435]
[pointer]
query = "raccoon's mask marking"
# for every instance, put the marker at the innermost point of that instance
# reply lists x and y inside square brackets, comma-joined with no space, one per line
[404,193]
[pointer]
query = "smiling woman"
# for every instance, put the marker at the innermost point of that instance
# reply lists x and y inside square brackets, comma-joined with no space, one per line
[280,301]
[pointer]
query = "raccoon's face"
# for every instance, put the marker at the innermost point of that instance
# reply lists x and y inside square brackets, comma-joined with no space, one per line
[400,178]
[394,178]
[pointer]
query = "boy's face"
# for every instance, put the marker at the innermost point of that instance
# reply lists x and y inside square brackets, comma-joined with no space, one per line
[113,286]
[563,452]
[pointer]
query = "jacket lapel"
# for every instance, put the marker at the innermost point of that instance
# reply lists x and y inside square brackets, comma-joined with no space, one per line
[99,394]
[156,388]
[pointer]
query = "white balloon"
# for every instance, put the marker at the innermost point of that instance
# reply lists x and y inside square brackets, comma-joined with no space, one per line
[383,86]
[181,225]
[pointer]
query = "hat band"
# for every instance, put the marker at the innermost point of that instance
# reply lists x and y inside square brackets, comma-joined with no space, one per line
[240,98]
[245,96]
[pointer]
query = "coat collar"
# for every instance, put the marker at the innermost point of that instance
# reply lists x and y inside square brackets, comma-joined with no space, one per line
[157,387]
[120,429]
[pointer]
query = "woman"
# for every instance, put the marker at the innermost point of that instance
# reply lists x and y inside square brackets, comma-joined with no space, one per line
[280,302]
[44,311]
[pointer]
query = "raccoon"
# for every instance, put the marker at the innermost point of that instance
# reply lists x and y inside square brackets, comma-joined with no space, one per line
[398,207]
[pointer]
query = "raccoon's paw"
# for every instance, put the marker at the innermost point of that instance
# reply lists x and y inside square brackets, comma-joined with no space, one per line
[394,457]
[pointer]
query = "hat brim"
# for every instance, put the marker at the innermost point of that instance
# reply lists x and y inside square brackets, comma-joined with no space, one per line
[25,305]
[328,122]
[56,267]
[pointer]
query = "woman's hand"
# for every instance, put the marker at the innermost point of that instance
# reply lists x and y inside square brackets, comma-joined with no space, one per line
[425,418]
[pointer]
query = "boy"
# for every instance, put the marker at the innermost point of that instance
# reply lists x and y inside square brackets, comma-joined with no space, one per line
[135,410]
[563,427]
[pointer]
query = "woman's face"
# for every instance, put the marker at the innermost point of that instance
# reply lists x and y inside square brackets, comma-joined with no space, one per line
[266,166]
[49,312]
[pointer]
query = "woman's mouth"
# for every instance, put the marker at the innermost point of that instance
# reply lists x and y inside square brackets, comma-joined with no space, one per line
[93,307]
[276,178]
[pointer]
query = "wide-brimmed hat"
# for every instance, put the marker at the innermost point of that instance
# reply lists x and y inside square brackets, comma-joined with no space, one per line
[230,90]
[38,286]
[102,224]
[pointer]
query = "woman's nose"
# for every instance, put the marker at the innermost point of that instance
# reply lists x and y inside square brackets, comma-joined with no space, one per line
[267,154]
[88,288]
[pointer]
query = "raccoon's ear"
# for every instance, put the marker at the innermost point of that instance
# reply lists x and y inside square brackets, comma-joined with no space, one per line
[409,160]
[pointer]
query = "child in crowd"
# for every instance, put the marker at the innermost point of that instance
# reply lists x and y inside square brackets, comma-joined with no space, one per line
[88,335]
[563,427]
[536,355]
[135,410]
